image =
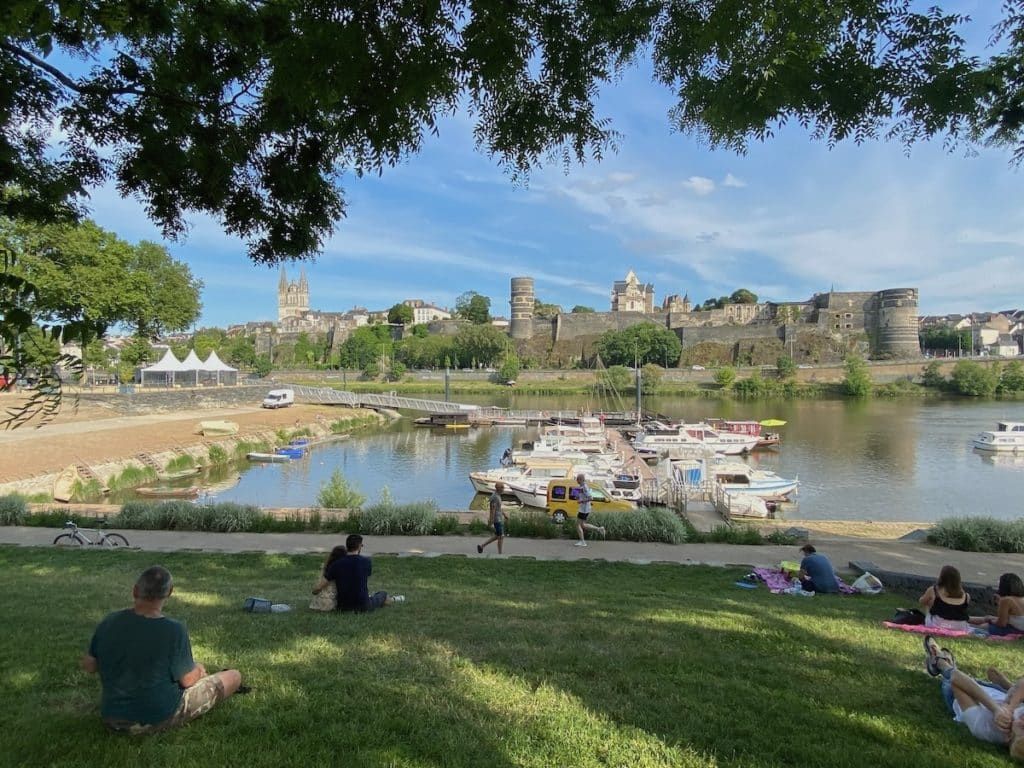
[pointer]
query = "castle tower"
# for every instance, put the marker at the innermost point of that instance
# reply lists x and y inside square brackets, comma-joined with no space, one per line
[521,326]
[896,323]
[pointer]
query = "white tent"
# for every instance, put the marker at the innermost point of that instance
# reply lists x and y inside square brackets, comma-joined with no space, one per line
[162,373]
[225,374]
[192,366]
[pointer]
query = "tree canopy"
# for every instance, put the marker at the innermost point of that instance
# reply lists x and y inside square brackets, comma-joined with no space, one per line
[252,112]
[400,314]
[642,343]
[473,307]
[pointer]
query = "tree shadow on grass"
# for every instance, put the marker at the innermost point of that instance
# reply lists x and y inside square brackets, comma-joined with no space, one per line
[498,662]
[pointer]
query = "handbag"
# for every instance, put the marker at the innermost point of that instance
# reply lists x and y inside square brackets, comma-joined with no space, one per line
[256,605]
[868,584]
[908,616]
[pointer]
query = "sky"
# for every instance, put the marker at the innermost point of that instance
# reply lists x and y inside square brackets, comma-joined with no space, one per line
[788,219]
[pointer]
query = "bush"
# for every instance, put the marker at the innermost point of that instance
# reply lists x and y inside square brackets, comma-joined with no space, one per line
[857,382]
[725,376]
[1012,379]
[532,525]
[974,380]
[132,477]
[733,534]
[180,463]
[445,525]
[185,516]
[979,534]
[932,376]
[385,518]
[13,510]
[338,493]
[785,366]
[781,538]
[643,524]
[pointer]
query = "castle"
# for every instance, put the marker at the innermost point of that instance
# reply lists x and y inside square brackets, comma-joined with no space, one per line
[886,320]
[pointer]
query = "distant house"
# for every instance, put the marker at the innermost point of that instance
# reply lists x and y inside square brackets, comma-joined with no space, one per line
[426,313]
[1005,346]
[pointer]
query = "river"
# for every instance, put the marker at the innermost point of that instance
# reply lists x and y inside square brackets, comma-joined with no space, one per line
[903,459]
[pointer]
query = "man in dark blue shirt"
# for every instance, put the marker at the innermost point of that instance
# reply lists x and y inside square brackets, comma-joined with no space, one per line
[350,575]
[816,572]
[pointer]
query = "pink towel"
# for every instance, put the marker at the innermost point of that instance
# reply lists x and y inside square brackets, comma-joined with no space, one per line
[921,629]
[777,581]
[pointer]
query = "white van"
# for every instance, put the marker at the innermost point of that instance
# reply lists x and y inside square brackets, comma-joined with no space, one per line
[279,398]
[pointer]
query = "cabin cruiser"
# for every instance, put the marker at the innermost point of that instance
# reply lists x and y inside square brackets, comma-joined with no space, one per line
[734,477]
[657,440]
[1008,436]
[765,439]
[531,469]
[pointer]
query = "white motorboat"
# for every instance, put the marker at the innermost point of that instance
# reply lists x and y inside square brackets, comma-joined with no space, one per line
[734,477]
[532,469]
[1008,436]
[661,440]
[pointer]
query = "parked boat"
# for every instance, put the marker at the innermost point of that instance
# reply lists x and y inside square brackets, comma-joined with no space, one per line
[657,439]
[1008,436]
[747,505]
[292,452]
[169,493]
[751,428]
[217,428]
[165,477]
[545,469]
[734,477]
[267,457]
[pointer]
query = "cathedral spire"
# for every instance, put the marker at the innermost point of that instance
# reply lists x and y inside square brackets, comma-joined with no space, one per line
[303,285]
[282,284]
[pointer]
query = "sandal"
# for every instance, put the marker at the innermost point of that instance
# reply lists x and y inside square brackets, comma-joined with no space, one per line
[931,656]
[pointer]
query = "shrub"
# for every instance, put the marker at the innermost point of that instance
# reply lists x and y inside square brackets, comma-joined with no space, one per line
[643,524]
[932,376]
[445,525]
[217,455]
[245,447]
[13,510]
[725,376]
[185,516]
[785,366]
[387,518]
[733,534]
[478,527]
[781,538]
[1012,379]
[979,534]
[89,491]
[857,382]
[974,380]
[532,525]
[338,493]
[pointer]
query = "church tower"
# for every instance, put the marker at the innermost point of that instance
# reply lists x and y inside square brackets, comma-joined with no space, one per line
[292,298]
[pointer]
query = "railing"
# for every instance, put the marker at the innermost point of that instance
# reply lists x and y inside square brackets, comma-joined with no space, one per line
[376,400]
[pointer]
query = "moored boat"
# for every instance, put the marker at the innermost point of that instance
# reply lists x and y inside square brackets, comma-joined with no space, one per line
[734,477]
[169,493]
[267,457]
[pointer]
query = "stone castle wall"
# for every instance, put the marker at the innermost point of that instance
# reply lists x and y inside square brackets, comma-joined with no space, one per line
[569,326]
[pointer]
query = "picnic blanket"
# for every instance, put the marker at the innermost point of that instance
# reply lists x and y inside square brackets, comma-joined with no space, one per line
[921,629]
[778,582]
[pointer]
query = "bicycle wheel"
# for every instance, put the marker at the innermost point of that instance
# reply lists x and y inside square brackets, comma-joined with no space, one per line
[115,540]
[68,540]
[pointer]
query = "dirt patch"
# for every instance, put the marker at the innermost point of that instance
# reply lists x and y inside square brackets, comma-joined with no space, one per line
[93,436]
[857,529]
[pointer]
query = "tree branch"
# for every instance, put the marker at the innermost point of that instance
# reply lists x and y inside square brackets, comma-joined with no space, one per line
[63,79]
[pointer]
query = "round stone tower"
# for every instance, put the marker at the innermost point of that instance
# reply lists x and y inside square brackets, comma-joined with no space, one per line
[521,326]
[897,323]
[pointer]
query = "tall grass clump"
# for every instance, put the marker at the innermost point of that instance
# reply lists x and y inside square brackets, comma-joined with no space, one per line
[643,524]
[88,491]
[532,525]
[132,477]
[184,516]
[13,509]
[385,517]
[218,455]
[979,534]
[246,447]
[339,493]
[732,534]
[181,463]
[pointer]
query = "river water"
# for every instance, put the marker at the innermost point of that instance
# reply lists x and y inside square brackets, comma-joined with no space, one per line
[902,459]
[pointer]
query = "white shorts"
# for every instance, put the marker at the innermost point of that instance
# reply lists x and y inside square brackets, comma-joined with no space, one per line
[940,623]
[981,723]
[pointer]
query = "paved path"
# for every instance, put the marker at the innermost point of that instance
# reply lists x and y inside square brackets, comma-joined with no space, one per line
[906,557]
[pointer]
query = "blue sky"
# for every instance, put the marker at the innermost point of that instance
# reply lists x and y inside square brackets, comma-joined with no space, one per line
[786,220]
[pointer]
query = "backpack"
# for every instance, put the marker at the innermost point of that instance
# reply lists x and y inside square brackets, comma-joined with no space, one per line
[907,616]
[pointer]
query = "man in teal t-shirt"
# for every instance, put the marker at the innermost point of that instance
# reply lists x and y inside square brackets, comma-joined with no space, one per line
[144,659]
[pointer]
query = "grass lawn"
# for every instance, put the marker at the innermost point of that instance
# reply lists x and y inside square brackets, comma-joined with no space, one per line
[490,663]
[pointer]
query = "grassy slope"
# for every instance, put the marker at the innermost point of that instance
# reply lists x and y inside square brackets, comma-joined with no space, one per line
[497,663]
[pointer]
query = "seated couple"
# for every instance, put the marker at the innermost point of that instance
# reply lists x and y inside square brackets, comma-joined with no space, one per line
[343,582]
[947,605]
[992,709]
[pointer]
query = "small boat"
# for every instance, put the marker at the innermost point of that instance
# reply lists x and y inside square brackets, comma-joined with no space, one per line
[64,484]
[1008,437]
[292,452]
[299,441]
[267,457]
[745,505]
[752,429]
[168,493]
[734,478]
[657,437]
[217,428]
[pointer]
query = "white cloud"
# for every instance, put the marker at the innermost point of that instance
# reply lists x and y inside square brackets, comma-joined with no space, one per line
[732,181]
[700,185]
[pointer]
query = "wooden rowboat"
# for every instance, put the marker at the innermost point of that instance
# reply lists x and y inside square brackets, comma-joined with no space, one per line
[273,457]
[169,493]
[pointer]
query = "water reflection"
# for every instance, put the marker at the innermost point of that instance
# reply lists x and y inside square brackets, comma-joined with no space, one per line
[878,460]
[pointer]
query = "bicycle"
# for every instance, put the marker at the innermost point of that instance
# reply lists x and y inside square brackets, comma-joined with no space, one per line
[76,538]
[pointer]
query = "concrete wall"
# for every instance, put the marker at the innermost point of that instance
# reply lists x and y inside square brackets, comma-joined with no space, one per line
[569,326]
[179,399]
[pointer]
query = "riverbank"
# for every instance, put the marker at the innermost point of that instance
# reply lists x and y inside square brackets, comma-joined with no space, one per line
[106,443]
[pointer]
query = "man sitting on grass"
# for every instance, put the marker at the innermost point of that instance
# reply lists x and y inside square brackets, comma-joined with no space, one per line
[150,681]
[816,572]
[350,575]
[991,709]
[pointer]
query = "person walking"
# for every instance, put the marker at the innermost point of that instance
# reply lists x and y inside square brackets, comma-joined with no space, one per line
[584,498]
[496,517]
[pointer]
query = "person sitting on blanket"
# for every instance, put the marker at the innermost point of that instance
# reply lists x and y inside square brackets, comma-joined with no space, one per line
[1009,618]
[991,709]
[945,602]
[816,572]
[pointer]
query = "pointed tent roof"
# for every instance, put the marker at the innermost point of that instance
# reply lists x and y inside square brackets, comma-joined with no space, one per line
[214,363]
[192,362]
[167,363]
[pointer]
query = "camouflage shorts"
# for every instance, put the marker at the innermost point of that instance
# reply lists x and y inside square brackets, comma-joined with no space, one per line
[195,702]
